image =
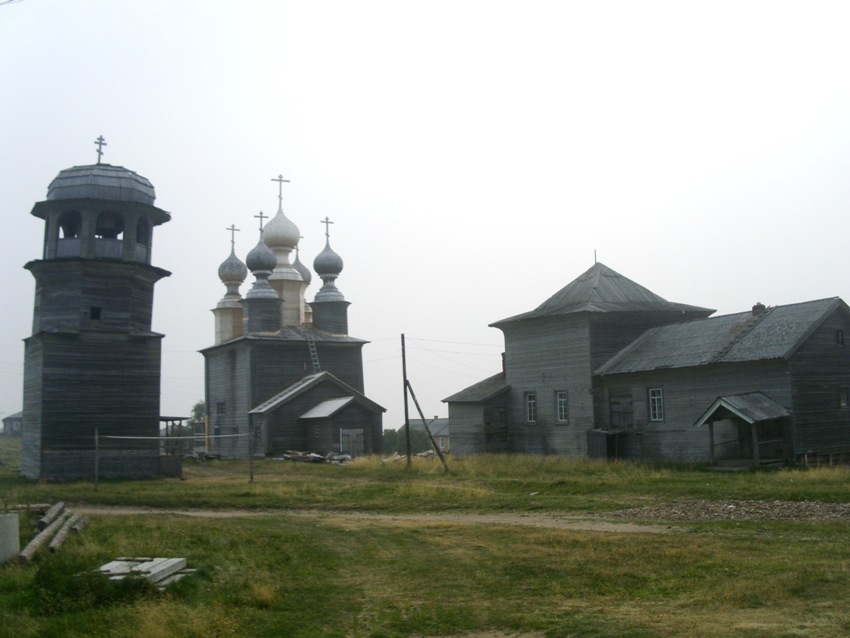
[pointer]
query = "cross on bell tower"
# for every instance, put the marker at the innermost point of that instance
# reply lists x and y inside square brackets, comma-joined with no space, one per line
[100,143]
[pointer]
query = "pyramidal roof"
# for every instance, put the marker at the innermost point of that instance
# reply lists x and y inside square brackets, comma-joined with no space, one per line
[602,290]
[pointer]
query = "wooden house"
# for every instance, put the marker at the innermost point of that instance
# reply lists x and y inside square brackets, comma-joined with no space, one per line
[606,368]
[439,429]
[284,374]
[13,423]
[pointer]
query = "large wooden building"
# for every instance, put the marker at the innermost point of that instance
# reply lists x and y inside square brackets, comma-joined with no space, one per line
[606,368]
[282,371]
[92,363]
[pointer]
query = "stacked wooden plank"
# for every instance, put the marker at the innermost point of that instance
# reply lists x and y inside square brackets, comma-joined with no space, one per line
[158,571]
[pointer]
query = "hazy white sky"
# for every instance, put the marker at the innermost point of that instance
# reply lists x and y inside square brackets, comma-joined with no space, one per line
[472,156]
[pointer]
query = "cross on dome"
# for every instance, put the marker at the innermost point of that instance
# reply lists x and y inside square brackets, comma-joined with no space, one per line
[261,217]
[279,179]
[233,230]
[100,143]
[327,222]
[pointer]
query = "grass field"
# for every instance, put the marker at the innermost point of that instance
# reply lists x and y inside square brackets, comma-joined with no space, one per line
[308,567]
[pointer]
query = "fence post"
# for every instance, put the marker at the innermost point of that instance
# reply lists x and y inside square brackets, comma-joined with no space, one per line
[250,450]
[96,458]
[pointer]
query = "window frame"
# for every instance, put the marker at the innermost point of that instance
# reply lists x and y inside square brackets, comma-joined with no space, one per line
[530,407]
[562,407]
[655,404]
[844,396]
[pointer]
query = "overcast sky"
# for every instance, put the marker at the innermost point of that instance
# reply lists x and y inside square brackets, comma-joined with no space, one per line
[472,156]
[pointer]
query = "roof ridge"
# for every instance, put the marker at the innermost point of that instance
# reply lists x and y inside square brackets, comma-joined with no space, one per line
[743,329]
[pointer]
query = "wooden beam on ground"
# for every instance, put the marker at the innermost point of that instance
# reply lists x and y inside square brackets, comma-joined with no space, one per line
[29,551]
[51,515]
[81,523]
[62,534]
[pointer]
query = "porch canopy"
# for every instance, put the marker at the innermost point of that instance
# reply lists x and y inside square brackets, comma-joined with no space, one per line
[751,408]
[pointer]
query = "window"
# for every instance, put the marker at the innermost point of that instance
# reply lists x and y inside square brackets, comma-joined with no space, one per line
[221,408]
[839,337]
[656,404]
[94,313]
[622,411]
[442,443]
[844,397]
[561,406]
[531,407]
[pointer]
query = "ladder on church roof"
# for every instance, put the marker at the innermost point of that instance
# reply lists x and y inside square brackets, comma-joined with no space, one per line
[314,354]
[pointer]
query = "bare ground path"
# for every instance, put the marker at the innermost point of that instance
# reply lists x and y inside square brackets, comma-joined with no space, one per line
[551,521]
[643,520]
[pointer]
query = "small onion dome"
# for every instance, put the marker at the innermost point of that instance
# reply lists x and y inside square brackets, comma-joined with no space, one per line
[101,181]
[232,269]
[327,262]
[261,257]
[280,232]
[305,273]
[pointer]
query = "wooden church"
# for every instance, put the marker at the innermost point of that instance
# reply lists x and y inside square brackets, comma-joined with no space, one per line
[284,374]
[92,363]
[605,368]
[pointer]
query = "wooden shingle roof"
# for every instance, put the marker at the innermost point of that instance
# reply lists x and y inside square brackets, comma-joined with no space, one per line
[752,407]
[481,391]
[774,333]
[601,289]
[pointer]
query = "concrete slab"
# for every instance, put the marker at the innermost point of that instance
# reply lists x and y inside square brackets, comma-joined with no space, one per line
[10,538]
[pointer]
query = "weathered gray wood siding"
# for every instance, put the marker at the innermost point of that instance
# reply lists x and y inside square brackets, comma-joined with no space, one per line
[467,432]
[688,393]
[248,372]
[323,435]
[545,356]
[285,430]
[476,428]
[31,434]
[228,397]
[68,290]
[819,368]
[277,365]
[87,381]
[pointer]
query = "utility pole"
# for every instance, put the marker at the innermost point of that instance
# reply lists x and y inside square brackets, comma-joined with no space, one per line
[406,415]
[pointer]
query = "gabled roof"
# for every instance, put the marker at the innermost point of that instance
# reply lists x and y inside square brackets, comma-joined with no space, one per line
[307,383]
[775,333]
[437,426]
[599,290]
[752,407]
[481,391]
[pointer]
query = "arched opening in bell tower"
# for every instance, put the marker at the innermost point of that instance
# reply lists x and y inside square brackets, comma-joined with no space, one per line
[109,235]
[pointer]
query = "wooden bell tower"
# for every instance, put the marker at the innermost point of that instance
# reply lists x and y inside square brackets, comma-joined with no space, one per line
[92,362]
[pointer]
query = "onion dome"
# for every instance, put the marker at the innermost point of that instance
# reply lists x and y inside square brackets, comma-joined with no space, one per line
[328,265]
[305,273]
[101,181]
[327,262]
[280,232]
[261,258]
[232,273]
